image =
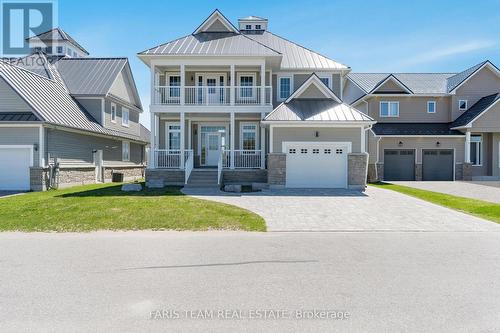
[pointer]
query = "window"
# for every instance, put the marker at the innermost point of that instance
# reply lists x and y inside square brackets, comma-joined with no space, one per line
[326,79]
[389,109]
[315,151]
[247,80]
[60,49]
[113,112]
[339,151]
[38,49]
[303,151]
[462,104]
[328,151]
[174,83]
[70,52]
[431,107]
[48,50]
[248,139]
[248,27]
[292,151]
[174,136]
[125,115]
[476,150]
[125,151]
[284,87]
[258,27]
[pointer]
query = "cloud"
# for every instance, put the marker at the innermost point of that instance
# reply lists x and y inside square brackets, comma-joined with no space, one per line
[446,52]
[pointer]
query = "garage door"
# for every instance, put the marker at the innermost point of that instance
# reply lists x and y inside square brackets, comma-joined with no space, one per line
[15,168]
[399,164]
[316,164]
[437,164]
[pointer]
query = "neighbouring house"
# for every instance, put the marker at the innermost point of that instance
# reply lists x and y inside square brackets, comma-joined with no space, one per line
[241,105]
[66,118]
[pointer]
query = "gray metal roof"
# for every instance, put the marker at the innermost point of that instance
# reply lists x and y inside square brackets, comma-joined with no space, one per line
[252,18]
[52,102]
[90,76]
[17,116]
[35,63]
[418,83]
[213,43]
[295,56]
[474,111]
[316,110]
[457,79]
[414,129]
[57,34]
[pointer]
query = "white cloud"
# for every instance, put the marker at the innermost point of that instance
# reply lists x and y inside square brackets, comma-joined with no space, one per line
[448,51]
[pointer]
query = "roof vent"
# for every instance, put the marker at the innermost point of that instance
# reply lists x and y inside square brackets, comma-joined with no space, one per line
[253,24]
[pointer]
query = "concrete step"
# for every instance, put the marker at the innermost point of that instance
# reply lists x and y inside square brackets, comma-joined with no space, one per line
[155,183]
[215,186]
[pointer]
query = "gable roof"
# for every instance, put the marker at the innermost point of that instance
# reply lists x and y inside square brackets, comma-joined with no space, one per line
[457,80]
[213,43]
[295,56]
[57,34]
[216,16]
[394,79]
[51,102]
[476,110]
[314,80]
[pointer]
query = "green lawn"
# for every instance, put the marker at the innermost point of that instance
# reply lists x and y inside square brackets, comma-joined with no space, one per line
[479,208]
[106,207]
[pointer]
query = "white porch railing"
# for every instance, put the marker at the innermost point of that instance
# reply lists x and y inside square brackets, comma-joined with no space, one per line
[189,165]
[243,159]
[212,95]
[171,158]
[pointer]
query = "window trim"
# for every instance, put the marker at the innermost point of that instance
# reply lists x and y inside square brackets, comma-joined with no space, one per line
[111,113]
[256,133]
[328,76]
[60,49]
[466,104]
[388,109]
[168,75]
[127,111]
[258,27]
[278,90]
[168,131]
[125,158]
[479,152]
[435,106]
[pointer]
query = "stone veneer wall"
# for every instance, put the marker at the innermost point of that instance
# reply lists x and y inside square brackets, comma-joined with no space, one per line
[276,170]
[459,171]
[357,170]
[418,172]
[372,173]
[467,171]
[39,178]
[168,177]
[244,177]
[67,177]
[130,173]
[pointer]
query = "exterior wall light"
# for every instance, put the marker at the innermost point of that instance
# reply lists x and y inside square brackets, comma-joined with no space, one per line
[400,143]
[316,134]
[35,146]
[438,144]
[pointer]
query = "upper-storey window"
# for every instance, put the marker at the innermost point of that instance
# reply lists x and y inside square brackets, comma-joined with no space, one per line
[284,87]
[174,83]
[60,49]
[125,117]
[431,107]
[37,49]
[258,27]
[247,80]
[462,104]
[389,109]
[248,27]
[48,50]
[113,112]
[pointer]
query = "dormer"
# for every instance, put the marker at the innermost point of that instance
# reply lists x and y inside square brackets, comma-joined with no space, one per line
[216,22]
[252,24]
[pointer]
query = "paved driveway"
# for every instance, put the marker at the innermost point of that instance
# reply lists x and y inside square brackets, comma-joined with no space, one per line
[342,210]
[5,194]
[487,191]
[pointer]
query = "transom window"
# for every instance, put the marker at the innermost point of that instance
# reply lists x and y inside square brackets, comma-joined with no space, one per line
[113,112]
[125,151]
[284,87]
[303,151]
[462,104]
[174,136]
[125,117]
[339,151]
[389,109]
[476,149]
[292,151]
[315,151]
[248,136]
[431,107]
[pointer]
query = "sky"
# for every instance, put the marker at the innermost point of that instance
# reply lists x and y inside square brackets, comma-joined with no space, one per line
[369,36]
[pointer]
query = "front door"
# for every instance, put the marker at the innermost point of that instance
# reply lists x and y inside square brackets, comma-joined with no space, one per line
[213,93]
[213,148]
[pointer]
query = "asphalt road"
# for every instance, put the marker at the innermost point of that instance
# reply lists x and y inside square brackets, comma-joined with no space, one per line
[216,282]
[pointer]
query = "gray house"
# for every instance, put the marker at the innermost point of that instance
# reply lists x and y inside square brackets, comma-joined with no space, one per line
[68,119]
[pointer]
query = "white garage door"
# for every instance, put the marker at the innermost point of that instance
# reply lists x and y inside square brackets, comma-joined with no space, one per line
[316,164]
[15,168]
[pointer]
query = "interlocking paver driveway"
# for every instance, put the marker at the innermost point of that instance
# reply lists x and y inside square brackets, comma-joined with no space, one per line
[341,210]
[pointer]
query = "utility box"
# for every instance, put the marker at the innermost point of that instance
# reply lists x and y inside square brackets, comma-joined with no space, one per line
[117,177]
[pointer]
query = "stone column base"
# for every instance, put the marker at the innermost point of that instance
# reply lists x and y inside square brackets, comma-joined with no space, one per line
[467,171]
[39,179]
[276,170]
[357,171]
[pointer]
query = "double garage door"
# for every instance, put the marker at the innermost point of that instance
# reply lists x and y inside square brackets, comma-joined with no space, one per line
[15,168]
[316,164]
[437,164]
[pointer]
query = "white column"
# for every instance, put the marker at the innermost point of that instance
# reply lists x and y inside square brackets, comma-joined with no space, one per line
[232,132]
[271,150]
[183,134]
[190,133]
[41,147]
[363,139]
[467,147]
[153,81]
[262,83]
[233,81]
[152,147]
[262,147]
[183,84]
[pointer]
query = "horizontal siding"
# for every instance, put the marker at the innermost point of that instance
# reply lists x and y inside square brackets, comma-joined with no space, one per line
[21,136]
[134,126]
[92,106]
[10,101]
[76,149]
[307,134]
[412,109]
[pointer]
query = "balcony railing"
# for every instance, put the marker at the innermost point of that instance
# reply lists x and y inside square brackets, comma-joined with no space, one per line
[212,95]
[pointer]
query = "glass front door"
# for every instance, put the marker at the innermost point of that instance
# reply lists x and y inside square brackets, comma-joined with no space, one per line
[212,140]
[213,148]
